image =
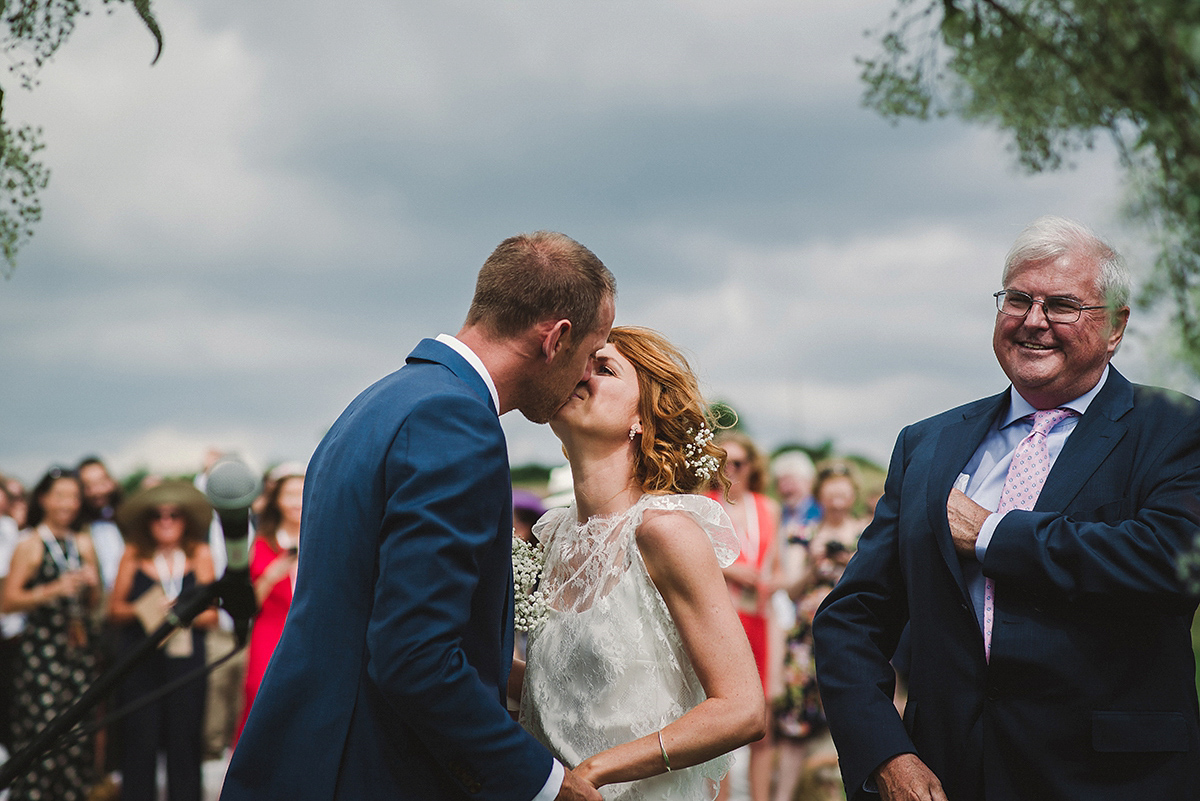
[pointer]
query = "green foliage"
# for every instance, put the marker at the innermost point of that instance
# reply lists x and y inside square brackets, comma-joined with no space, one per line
[21,178]
[530,475]
[818,453]
[1054,74]
[31,32]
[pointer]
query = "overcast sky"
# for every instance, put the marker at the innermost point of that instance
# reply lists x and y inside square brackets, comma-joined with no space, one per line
[242,237]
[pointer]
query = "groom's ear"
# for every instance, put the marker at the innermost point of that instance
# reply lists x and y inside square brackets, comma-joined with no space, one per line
[556,338]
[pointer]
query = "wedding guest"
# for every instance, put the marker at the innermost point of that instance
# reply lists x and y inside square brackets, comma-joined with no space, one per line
[12,624]
[1029,543]
[799,718]
[101,497]
[753,576]
[54,581]
[166,527]
[18,501]
[642,669]
[794,474]
[273,571]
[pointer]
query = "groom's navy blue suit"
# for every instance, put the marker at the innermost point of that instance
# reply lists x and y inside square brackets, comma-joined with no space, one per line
[390,678]
[1090,692]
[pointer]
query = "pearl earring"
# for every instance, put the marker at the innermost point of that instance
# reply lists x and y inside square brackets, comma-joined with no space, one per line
[634,430]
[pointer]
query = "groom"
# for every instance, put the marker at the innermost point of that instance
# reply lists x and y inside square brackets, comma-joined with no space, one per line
[390,678]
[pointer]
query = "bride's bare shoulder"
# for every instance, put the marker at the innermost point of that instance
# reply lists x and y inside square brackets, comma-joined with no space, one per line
[669,532]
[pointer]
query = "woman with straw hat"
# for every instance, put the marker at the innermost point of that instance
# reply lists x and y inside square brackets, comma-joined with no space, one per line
[166,531]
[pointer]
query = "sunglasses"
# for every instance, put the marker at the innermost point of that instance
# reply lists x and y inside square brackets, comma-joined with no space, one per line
[166,514]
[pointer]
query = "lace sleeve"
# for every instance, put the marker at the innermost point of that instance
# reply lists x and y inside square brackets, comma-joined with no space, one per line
[547,523]
[708,514]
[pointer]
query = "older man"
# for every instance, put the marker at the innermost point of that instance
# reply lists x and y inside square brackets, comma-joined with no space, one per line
[389,681]
[1029,541]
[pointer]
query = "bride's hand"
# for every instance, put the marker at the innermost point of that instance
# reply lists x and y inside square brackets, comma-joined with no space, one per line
[577,788]
[589,772]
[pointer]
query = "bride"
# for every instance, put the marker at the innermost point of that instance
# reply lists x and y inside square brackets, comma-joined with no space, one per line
[639,675]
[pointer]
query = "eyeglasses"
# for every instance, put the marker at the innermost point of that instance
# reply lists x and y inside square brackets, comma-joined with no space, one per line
[166,514]
[1057,309]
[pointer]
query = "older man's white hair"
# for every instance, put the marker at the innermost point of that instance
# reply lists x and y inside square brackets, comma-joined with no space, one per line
[794,463]
[1050,237]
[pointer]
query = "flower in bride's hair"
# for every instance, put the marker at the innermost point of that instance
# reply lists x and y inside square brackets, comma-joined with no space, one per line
[696,456]
[531,604]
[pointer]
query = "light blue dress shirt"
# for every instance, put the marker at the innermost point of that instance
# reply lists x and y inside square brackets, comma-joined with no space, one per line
[983,478]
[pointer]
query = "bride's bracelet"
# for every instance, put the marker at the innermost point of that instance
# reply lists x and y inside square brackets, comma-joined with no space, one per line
[663,748]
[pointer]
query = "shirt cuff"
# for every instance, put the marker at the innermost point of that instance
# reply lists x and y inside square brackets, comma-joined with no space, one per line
[553,784]
[985,534]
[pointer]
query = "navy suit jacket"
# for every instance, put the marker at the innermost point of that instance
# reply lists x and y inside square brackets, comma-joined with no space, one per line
[1091,689]
[390,677]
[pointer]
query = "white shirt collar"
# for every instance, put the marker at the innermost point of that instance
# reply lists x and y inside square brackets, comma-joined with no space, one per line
[474,361]
[1018,407]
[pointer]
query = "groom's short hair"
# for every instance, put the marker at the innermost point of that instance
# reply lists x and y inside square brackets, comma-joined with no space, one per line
[541,276]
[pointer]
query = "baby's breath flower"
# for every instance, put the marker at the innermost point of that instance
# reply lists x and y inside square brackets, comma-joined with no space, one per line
[695,457]
[530,607]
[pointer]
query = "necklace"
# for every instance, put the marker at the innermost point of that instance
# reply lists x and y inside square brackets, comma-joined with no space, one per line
[170,577]
[65,559]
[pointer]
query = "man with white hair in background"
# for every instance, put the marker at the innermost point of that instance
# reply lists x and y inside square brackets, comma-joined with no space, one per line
[794,474]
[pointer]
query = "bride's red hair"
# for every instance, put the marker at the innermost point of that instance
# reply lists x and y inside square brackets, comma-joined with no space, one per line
[672,413]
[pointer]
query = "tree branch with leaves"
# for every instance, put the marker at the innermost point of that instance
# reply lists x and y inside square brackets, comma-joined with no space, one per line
[1055,74]
[32,32]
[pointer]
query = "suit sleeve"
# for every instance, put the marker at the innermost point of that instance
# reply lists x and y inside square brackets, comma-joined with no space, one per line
[1127,549]
[439,543]
[855,632]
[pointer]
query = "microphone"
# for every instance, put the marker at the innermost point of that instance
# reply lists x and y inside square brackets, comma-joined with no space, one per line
[232,486]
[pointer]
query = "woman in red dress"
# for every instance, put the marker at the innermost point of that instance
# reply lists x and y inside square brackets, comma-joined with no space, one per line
[752,577]
[273,572]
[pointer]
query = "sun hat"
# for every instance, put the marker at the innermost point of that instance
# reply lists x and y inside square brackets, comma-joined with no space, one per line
[133,517]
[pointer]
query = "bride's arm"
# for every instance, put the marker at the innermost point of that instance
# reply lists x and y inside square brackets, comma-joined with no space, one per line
[681,562]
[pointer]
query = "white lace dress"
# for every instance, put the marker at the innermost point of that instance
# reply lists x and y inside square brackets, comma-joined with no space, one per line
[607,664]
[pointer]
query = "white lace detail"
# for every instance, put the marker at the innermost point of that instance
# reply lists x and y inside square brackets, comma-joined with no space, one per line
[607,666]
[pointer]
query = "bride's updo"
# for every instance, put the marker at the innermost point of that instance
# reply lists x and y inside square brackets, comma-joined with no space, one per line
[675,452]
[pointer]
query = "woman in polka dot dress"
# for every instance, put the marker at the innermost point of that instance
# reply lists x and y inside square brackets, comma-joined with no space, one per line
[53,580]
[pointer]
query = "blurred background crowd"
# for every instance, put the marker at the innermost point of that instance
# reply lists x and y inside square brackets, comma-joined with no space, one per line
[91,563]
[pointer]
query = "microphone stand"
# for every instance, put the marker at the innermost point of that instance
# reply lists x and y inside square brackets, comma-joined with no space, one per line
[228,590]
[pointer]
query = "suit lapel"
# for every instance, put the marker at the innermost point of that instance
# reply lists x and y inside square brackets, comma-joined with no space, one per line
[956,444]
[1094,437]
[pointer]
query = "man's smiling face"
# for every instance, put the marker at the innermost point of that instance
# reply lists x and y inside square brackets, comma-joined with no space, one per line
[1053,363]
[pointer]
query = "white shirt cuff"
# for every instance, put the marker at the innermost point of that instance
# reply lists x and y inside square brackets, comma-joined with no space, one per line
[985,534]
[553,784]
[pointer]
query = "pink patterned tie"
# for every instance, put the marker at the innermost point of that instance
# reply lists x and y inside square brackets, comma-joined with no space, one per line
[1026,476]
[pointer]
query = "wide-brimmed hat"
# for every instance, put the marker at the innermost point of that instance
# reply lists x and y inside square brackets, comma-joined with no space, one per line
[133,518]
